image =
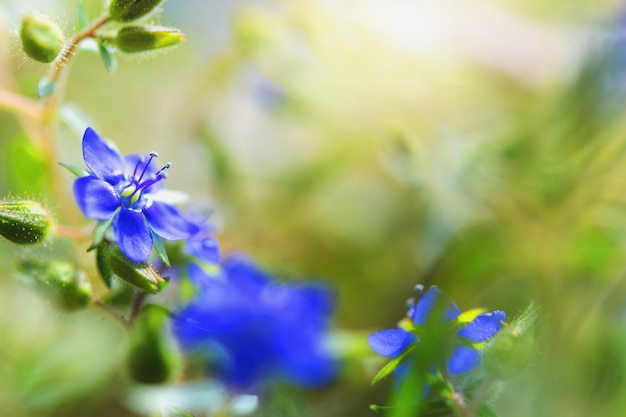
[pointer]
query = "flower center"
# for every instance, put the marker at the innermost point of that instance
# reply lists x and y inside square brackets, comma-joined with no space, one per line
[131,194]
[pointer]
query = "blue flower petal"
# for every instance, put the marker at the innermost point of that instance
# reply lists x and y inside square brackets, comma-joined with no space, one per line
[463,359]
[167,222]
[483,326]
[307,367]
[252,329]
[206,249]
[132,235]
[96,198]
[426,304]
[389,342]
[243,274]
[101,158]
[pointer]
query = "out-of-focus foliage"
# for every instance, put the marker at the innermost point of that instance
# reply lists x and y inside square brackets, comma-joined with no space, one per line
[476,145]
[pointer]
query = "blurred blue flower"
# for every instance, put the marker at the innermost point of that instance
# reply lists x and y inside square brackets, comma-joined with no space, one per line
[202,245]
[126,190]
[251,329]
[392,342]
[200,250]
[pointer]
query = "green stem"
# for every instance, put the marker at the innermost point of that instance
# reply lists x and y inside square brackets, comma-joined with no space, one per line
[56,75]
[111,312]
[480,395]
[20,105]
[50,105]
[73,233]
[461,406]
[136,306]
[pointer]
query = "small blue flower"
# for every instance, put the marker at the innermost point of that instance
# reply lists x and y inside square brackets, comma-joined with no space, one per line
[252,329]
[127,190]
[392,342]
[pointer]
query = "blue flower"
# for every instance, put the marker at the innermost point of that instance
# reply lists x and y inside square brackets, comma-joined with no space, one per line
[251,329]
[202,245]
[126,190]
[392,342]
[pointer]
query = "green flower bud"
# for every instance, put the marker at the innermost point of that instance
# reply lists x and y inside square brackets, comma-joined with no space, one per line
[146,38]
[59,282]
[152,358]
[112,263]
[129,10]
[42,39]
[510,351]
[24,222]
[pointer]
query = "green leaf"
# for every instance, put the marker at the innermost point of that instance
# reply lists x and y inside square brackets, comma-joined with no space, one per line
[112,263]
[45,87]
[75,118]
[77,171]
[485,411]
[100,230]
[378,408]
[107,57]
[160,249]
[392,364]
[81,16]
[104,269]
[163,284]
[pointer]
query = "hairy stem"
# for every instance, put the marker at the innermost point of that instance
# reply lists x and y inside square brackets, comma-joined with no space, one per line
[50,106]
[111,312]
[72,44]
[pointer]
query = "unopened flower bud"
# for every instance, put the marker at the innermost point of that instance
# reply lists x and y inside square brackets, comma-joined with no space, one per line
[59,282]
[24,222]
[129,10]
[146,38]
[112,263]
[512,348]
[152,358]
[42,39]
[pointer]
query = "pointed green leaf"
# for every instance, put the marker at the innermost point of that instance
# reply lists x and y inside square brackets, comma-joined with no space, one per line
[81,16]
[160,249]
[485,411]
[45,87]
[100,230]
[112,263]
[77,171]
[163,284]
[75,118]
[378,408]
[107,57]
[102,264]
[392,364]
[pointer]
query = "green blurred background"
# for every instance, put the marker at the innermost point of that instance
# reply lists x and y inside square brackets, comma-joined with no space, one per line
[374,145]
